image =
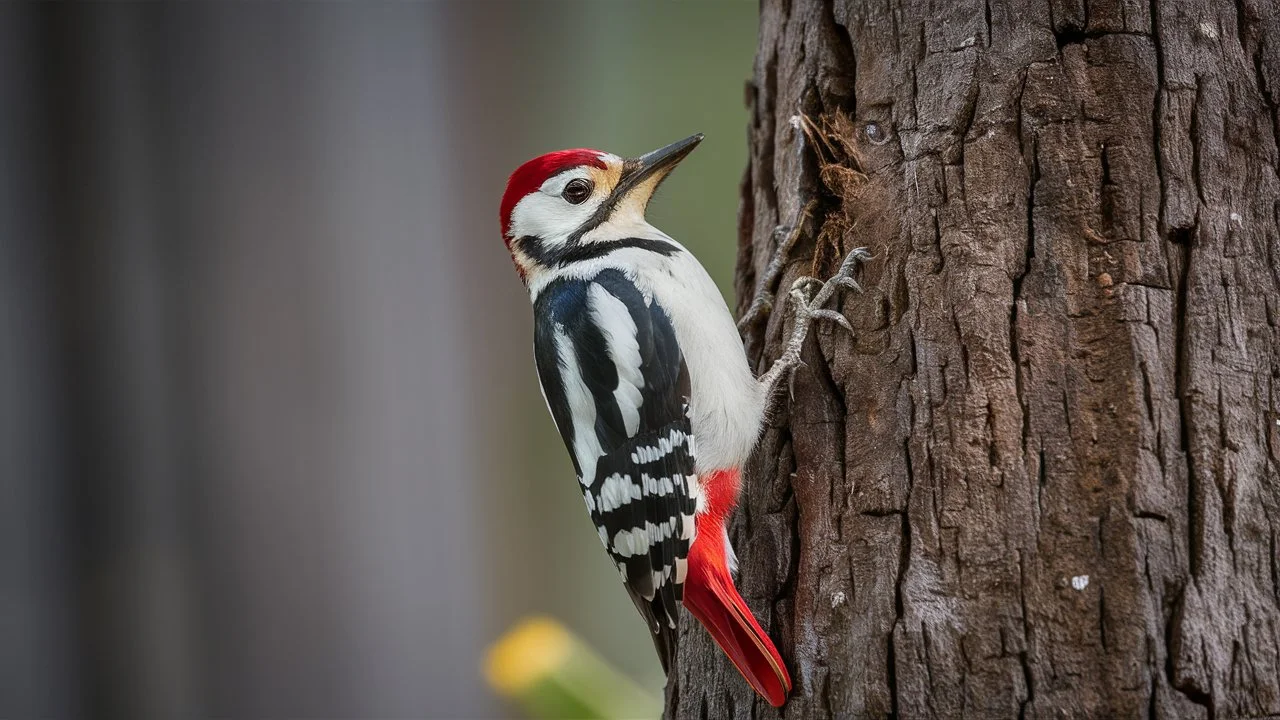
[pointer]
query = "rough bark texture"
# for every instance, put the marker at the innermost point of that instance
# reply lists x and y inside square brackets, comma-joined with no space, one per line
[1042,478]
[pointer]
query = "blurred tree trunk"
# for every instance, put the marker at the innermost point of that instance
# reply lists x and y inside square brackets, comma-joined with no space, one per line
[1042,477]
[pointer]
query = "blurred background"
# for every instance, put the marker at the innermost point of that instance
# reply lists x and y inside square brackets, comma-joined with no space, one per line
[271,440]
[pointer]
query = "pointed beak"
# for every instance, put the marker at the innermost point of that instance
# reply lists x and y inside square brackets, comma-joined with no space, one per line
[652,168]
[664,159]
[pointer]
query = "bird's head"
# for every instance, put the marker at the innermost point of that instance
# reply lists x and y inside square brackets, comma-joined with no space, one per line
[571,198]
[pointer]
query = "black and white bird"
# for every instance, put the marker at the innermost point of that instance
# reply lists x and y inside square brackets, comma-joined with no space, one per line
[645,375]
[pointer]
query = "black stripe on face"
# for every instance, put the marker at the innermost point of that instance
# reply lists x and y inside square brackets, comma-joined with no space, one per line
[652,166]
[577,252]
[589,251]
[573,249]
[631,177]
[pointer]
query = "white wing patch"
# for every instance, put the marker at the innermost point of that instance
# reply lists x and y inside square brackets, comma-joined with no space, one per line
[619,329]
[636,541]
[617,490]
[582,407]
[664,446]
[627,543]
[659,486]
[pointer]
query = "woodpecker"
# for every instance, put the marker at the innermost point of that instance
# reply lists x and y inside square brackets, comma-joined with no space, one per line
[643,370]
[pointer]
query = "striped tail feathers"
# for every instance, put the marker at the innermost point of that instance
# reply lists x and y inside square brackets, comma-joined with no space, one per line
[709,594]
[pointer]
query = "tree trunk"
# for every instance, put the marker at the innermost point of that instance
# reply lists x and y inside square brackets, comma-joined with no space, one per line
[1041,478]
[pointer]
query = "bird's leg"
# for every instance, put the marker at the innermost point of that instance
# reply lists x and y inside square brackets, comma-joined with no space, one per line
[809,308]
[762,303]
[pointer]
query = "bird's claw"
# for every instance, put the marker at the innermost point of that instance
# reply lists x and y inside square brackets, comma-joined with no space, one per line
[807,305]
[847,282]
[791,377]
[857,255]
[844,276]
[833,316]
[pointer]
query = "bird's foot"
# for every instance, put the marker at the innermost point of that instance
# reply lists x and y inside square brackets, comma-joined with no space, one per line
[806,308]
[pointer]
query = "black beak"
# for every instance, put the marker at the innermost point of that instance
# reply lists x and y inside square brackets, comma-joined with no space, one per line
[658,162]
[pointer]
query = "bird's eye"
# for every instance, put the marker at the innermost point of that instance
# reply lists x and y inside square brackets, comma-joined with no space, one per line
[577,190]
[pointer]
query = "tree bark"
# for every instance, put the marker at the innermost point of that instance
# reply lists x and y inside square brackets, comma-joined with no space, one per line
[1042,477]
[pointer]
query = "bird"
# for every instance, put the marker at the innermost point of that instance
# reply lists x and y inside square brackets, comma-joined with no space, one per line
[643,370]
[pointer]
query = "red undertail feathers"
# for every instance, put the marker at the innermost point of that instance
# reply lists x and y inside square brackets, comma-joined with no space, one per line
[709,594]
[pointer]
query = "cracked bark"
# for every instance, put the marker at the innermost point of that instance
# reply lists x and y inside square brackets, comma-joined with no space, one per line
[1065,380]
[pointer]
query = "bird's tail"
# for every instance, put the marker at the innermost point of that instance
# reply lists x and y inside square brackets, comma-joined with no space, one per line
[710,595]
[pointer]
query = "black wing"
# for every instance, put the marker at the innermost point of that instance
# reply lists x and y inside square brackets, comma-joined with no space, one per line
[618,388]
